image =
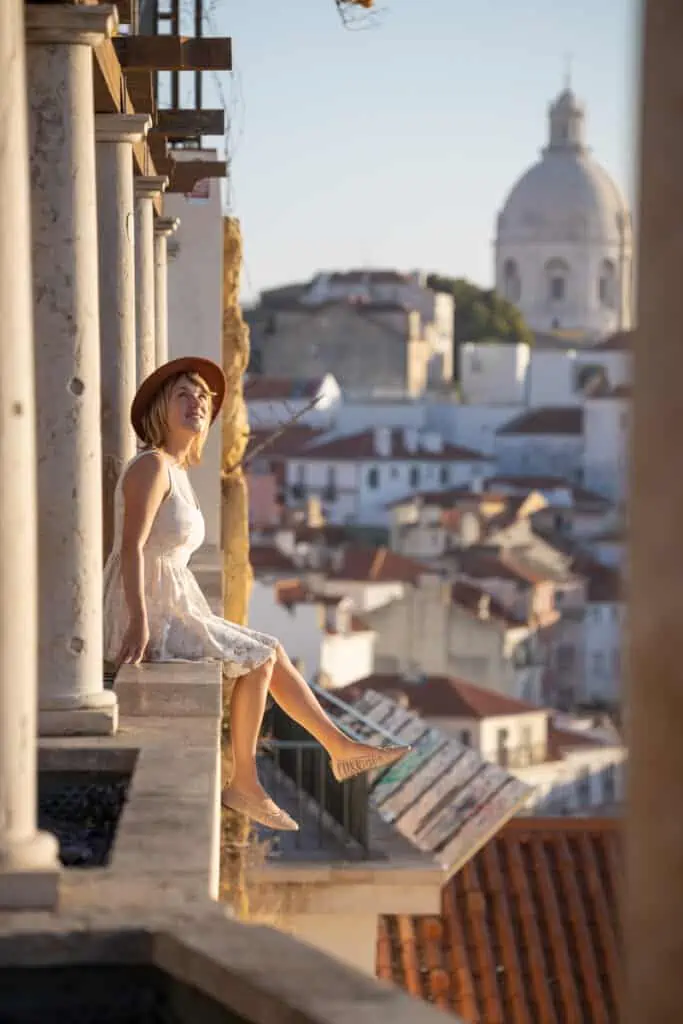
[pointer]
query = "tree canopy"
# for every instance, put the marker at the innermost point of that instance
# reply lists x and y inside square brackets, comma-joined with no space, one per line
[481,314]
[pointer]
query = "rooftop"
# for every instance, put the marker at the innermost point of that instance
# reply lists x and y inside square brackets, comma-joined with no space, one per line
[529,929]
[363,445]
[376,565]
[439,697]
[546,420]
[262,389]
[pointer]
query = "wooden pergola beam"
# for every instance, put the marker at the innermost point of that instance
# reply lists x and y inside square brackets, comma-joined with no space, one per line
[174,53]
[112,97]
[186,173]
[190,124]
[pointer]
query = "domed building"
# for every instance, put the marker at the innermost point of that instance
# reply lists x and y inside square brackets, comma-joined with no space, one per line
[564,241]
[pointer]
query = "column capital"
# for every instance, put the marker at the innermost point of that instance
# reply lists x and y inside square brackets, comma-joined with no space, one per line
[166,226]
[150,186]
[75,25]
[122,127]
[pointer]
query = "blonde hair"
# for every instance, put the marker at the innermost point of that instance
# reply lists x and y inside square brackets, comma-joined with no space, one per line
[155,418]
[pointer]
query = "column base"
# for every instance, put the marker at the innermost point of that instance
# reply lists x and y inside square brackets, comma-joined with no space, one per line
[97,721]
[29,874]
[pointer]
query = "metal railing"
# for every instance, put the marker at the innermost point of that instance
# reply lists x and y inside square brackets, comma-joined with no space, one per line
[517,757]
[307,765]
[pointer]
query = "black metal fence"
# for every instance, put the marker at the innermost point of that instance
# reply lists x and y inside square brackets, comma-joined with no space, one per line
[307,764]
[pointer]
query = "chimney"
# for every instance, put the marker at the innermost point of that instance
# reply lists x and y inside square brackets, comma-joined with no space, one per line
[432,442]
[410,439]
[382,440]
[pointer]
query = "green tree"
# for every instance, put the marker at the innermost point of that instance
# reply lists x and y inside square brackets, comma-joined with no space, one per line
[480,314]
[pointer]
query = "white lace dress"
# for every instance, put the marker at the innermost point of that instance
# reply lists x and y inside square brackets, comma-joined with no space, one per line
[181,624]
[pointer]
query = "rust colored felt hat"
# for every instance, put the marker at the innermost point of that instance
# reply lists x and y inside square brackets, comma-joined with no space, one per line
[150,387]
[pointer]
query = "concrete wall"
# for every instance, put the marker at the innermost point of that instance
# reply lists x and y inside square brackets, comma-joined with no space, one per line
[493,373]
[606,437]
[195,315]
[539,454]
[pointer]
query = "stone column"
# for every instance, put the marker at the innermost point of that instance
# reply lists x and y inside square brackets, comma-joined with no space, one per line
[653,889]
[164,227]
[115,135]
[28,858]
[66,319]
[146,191]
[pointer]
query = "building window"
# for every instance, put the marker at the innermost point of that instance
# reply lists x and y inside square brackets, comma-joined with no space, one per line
[609,786]
[502,751]
[607,285]
[512,284]
[557,287]
[373,478]
[414,476]
[443,475]
[557,278]
[599,663]
[466,738]
[583,788]
[565,657]
[330,492]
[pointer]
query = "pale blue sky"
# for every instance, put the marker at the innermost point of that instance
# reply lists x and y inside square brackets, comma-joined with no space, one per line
[395,146]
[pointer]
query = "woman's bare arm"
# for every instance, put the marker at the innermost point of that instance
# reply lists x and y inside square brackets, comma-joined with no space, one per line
[144,488]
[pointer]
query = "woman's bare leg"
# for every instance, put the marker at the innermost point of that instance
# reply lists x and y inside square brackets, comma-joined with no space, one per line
[291,691]
[247,706]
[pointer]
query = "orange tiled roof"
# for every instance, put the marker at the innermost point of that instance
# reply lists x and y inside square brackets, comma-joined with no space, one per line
[268,558]
[528,932]
[261,388]
[550,419]
[440,696]
[289,443]
[622,341]
[377,565]
[474,599]
[362,446]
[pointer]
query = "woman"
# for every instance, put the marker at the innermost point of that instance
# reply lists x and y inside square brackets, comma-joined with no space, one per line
[154,609]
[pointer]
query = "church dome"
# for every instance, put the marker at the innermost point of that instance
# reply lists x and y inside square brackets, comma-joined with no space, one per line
[567,196]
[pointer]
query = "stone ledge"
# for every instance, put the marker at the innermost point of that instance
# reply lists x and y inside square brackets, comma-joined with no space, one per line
[255,972]
[168,836]
[184,689]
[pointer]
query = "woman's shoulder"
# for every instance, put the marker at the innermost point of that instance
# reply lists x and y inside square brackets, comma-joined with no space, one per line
[146,468]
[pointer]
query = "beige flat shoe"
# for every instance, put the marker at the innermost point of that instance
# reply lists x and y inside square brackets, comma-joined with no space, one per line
[265,812]
[366,760]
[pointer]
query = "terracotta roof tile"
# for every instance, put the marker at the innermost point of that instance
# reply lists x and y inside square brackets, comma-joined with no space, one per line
[266,558]
[362,446]
[287,445]
[376,565]
[528,932]
[565,420]
[622,341]
[439,696]
[482,604]
[485,564]
[262,388]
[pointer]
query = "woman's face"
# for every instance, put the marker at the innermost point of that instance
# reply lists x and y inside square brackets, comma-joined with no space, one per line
[189,409]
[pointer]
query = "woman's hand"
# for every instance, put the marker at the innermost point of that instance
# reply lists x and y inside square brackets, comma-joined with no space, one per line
[134,643]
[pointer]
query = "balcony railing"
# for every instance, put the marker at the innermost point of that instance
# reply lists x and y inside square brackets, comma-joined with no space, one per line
[517,757]
[307,765]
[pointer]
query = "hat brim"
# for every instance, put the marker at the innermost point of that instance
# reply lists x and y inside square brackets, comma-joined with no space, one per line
[208,370]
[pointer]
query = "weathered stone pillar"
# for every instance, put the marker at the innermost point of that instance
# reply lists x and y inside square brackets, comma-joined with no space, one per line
[28,858]
[115,135]
[66,311]
[653,890]
[164,227]
[146,191]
